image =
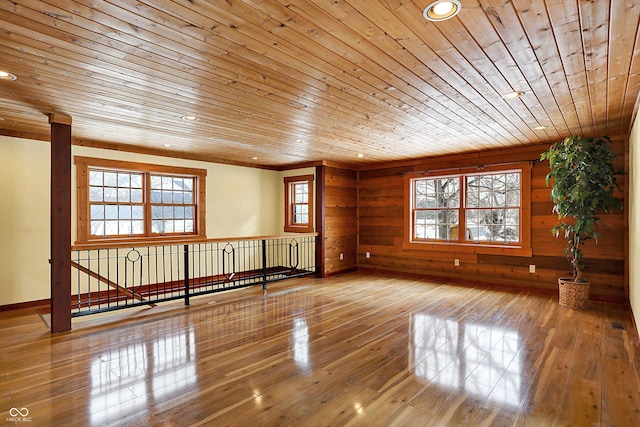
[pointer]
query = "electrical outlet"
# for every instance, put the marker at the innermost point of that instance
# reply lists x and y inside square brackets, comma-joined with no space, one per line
[456,262]
[532,268]
[341,256]
[367,255]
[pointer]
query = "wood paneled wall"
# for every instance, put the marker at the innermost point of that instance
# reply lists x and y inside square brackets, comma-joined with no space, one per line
[381,232]
[340,221]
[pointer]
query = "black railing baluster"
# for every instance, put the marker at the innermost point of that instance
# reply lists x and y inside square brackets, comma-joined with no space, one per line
[186,274]
[264,264]
[107,278]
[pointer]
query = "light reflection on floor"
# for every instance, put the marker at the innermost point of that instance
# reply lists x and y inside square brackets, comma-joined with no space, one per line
[481,360]
[300,342]
[121,377]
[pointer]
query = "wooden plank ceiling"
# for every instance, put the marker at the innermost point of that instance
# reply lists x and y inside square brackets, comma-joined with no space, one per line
[295,81]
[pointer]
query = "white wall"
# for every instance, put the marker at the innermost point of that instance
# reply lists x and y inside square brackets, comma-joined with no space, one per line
[240,202]
[24,220]
[634,220]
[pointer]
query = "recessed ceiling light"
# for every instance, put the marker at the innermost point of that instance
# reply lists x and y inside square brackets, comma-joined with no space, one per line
[166,145]
[189,118]
[541,127]
[4,75]
[299,141]
[513,94]
[360,155]
[441,10]
[254,158]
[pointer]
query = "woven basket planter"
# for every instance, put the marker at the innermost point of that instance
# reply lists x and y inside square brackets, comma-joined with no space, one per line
[573,295]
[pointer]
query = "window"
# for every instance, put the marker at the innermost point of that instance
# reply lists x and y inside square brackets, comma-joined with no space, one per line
[487,207]
[128,201]
[298,204]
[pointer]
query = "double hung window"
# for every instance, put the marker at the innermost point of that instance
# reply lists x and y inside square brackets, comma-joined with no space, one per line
[125,200]
[298,204]
[487,207]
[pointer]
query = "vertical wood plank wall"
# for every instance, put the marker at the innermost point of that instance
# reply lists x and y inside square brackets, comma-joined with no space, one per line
[340,222]
[381,232]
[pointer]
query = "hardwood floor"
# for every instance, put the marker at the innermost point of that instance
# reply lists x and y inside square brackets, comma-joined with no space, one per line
[355,350]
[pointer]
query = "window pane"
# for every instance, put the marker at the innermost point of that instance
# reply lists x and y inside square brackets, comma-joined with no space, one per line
[167,183]
[95,194]
[167,212]
[124,227]
[111,228]
[156,212]
[512,181]
[485,199]
[420,201]
[124,179]
[156,196]
[179,212]
[137,227]
[97,228]
[95,178]
[97,212]
[137,212]
[111,212]
[110,194]
[136,180]
[300,219]
[188,198]
[512,233]
[157,226]
[513,198]
[110,179]
[188,184]
[473,199]
[498,182]
[178,197]
[124,195]
[124,212]
[166,197]
[188,212]
[136,196]
[435,224]
[156,182]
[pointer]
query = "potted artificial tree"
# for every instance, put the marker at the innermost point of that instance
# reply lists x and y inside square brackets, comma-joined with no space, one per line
[583,182]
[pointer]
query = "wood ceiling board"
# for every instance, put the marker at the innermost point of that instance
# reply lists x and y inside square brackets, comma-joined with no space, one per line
[345,77]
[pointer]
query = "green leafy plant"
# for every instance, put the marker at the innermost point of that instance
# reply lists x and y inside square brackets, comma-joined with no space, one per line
[583,182]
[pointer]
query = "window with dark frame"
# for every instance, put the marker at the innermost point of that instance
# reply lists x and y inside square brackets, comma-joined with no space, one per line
[480,207]
[299,204]
[124,201]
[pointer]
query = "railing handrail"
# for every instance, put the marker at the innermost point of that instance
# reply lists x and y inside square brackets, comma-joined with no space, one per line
[146,242]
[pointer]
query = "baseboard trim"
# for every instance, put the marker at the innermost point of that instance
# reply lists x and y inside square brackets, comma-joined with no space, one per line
[467,282]
[337,273]
[26,304]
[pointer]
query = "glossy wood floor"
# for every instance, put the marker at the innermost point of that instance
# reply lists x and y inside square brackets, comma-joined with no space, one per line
[356,350]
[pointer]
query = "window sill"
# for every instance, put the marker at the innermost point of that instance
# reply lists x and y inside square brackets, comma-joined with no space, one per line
[476,248]
[138,241]
[291,229]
